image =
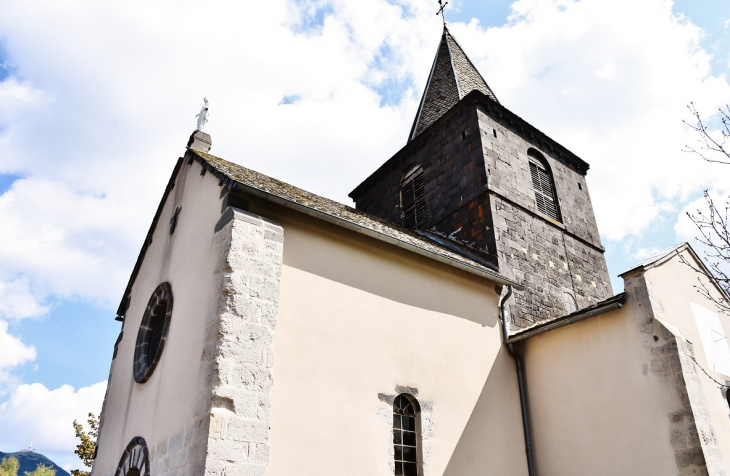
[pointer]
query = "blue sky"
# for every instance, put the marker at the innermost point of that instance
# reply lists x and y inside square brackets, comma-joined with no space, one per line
[93,118]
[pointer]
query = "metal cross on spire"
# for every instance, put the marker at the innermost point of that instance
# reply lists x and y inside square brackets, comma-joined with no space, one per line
[441,11]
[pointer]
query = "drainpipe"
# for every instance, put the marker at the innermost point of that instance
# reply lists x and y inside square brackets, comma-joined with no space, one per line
[519,363]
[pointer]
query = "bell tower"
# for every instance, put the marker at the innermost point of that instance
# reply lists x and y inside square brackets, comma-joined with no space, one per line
[475,176]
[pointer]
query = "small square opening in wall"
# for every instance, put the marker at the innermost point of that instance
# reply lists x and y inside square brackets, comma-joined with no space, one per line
[494,131]
[580,187]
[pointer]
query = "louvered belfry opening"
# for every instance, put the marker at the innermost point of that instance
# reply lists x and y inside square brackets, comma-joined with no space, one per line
[412,198]
[545,197]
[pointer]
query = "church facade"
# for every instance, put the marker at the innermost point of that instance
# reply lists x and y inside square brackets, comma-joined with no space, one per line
[459,320]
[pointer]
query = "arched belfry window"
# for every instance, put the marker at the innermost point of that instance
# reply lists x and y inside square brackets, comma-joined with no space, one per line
[542,181]
[412,198]
[407,436]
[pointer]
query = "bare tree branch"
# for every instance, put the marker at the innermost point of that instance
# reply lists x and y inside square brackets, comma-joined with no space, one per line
[714,234]
[713,148]
[713,223]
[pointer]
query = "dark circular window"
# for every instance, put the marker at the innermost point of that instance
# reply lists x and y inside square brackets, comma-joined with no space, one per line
[152,332]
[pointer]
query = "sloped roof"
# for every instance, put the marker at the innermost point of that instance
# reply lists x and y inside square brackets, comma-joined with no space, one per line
[602,307]
[452,77]
[340,214]
[263,186]
[665,255]
[661,257]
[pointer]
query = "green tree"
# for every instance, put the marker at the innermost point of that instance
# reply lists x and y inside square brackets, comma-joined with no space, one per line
[42,470]
[86,449]
[9,466]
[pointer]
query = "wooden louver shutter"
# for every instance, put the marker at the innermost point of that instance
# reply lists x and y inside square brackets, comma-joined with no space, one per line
[413,201]
[544,191]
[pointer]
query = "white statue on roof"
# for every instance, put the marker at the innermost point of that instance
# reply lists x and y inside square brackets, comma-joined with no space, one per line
[203,117]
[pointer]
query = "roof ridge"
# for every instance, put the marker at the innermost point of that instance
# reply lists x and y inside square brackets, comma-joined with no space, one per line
[417,119]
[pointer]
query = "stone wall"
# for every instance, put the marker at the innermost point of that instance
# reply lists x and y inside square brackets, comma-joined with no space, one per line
[424,425]
[453,172]
[479,192]
[183,454]
[240,344]
[455,183]
[553,267]
[507,163]
[471,225]
[231,432]
[691,433]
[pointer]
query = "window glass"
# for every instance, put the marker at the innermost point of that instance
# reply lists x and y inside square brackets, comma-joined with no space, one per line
[405,437]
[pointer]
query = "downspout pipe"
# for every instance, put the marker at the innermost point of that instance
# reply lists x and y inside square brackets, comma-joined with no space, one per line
[519,363]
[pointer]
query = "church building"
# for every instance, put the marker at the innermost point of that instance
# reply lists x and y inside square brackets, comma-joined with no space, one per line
[459,320]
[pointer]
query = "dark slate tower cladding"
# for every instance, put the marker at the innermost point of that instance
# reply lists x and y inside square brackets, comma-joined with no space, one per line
[478,177]
[452,77]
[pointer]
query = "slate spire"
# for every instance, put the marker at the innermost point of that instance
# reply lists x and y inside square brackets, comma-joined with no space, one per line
[452,77]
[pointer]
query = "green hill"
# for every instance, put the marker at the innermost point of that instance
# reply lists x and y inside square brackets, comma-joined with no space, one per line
[29,461]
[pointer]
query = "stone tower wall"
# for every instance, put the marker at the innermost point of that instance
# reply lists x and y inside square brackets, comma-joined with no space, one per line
[455,182]
[478,191]
[553,259]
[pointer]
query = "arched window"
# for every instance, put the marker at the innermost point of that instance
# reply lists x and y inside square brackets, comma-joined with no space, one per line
[152,332]
[407,436]
[545,197]
[570,303]
[135,460]
[412,198]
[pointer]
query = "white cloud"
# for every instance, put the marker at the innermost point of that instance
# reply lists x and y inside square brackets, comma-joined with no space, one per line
[607,71]
[16,96]
[46,416]
[103,112]
[550,65]
[114,105]
[66,243]
[17,300]
[685,229]
[13,353]
[644,253]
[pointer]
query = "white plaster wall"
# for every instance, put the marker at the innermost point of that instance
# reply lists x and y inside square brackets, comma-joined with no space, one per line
[601,395]
[357,318]
[171,401]
[593,409]
[672,287]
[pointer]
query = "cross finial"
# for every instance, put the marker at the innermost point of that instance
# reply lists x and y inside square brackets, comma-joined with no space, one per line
[441,10]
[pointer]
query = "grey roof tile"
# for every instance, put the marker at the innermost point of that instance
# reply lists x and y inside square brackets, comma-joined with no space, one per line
[340,212]
[452,77]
